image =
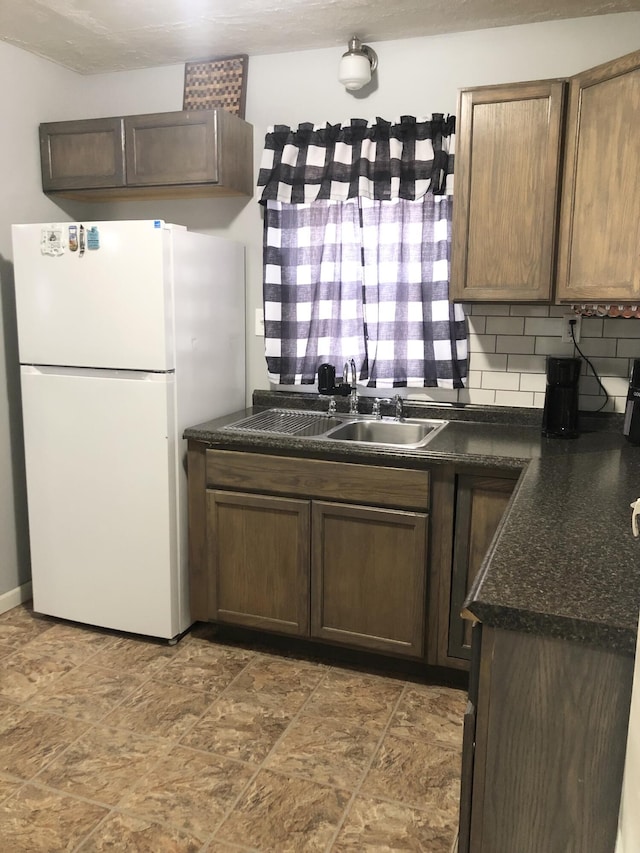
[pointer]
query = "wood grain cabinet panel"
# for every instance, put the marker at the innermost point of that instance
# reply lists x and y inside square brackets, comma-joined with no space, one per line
[82,154]
[369,569]
[259,561]
[480,505]
[159,155]
[506,192]
[551,723]
[599,257]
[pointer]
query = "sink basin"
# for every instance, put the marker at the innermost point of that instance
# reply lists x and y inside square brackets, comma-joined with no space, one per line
[407,433]
[362,429]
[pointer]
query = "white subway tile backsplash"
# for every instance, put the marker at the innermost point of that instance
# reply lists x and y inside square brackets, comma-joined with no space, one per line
[529,311]
[482,343]
[500,381]
[508,346]
[491,310]
[547,345]
[505,325]
[622,327]
[611,366]
[602,347]
[487,361]
[591,327]
[543,326]
[628,348]
[533,382]
[527,364]
[514,398]
[515,343]
[478,396]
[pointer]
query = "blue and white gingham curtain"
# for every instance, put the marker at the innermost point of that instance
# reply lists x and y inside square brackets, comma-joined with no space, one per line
[356,253]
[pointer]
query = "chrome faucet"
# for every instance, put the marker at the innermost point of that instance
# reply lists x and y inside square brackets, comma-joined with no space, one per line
[377,403]
[349,376]
[399,407]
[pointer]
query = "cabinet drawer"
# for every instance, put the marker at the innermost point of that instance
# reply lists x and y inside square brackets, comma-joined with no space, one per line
[317,478]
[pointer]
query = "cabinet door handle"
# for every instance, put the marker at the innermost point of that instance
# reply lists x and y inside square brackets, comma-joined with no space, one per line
[635,506]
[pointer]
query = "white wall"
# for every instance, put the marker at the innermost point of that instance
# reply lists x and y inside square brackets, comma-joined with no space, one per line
[416,76]
[32,88]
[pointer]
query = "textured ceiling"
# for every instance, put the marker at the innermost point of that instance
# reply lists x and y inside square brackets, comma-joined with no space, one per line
[91,36]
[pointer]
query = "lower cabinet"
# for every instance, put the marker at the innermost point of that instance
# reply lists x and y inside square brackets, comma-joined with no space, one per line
[368,574]
[350,573]
[544,745]
[467,510]
[259,558]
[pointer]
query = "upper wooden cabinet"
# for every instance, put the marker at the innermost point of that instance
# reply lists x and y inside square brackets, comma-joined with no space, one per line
[599,245]
[506,192]
[163,155]
[509,243]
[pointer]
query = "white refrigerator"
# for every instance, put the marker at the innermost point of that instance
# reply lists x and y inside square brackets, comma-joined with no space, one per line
[128,332]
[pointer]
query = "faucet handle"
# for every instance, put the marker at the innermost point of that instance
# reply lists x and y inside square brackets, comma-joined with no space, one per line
[377,403]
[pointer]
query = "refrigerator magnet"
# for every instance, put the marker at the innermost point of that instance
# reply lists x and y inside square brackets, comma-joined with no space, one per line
[93,238]
[73,238]
[51,241]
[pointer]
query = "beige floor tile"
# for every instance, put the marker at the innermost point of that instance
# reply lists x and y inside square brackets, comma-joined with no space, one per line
[36,820]
[124,834]
[244,726]
[103,764]
[72,643]
[327,751]
[421,774]
[8,786]
[372,825]
[142,657]
[352,697]
[429,712]
[209,667]
[278,814]
[24,673]
[255,710]
[29,740]
[189,790]
[87,692]
[18,626]
[159,709]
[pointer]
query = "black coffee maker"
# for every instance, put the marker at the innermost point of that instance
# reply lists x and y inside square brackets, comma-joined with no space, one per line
[631,426]
[560,415]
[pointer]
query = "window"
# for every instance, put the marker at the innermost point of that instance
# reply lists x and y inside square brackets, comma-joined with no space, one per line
[356,253]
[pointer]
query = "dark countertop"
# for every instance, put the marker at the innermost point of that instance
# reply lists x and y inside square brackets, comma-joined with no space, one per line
[564,562]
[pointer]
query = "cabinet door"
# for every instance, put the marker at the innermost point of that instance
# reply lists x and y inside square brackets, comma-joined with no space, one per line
[480,504]
[368,577]
[259,561]
[600,215]
[172,148]
[82,154]
[506,195]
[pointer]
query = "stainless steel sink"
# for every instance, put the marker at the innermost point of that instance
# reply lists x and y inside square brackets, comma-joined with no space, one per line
[390,432]
[360,428]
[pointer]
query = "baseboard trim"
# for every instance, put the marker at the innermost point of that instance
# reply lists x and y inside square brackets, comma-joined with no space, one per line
[11,599]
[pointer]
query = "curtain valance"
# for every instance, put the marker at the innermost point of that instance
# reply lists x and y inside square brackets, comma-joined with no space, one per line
[380,160]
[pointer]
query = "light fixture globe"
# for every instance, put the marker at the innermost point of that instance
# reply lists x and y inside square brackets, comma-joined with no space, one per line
[357,65]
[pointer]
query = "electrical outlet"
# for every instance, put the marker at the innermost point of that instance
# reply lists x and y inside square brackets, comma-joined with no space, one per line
[576,319]
[259,323]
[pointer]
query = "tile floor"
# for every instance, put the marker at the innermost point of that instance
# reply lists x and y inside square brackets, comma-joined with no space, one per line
[109,743]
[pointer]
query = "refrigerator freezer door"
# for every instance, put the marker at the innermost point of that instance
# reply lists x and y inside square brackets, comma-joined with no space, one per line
[108,306]
[100,449]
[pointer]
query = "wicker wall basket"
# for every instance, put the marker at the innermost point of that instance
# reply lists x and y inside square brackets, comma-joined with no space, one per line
[216,84]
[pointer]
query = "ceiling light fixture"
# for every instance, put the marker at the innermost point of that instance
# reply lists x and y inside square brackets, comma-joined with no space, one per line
[357,65]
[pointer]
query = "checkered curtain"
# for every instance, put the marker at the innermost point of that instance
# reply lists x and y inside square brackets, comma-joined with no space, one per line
[356,253]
